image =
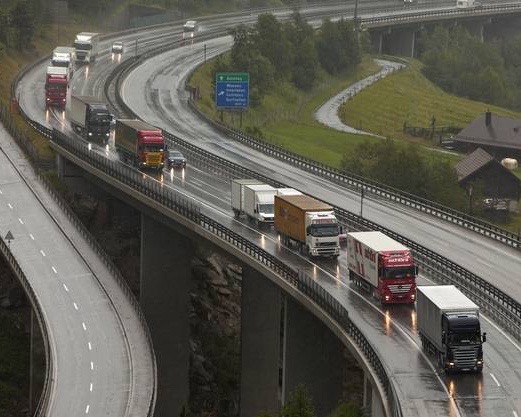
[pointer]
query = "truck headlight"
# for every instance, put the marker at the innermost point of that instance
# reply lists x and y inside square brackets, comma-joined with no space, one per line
[90,133]
[387,298]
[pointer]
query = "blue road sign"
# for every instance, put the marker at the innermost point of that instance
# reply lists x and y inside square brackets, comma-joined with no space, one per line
[232,90]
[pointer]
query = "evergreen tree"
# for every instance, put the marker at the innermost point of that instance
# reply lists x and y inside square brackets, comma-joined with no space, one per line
[22,20]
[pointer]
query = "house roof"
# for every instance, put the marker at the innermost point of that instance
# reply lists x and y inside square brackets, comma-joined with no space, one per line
[472,163]
[502,132]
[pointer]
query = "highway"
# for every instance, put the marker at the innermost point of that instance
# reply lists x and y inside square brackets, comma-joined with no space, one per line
[155,91]
[101,363]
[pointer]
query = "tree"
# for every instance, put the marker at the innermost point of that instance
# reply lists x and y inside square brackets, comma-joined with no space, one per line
[299,404]
[347,410]
[22,20]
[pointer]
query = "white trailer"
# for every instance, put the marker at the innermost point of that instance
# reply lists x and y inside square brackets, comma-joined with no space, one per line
[238,194]
[86,46]
[64,56]
[288,191]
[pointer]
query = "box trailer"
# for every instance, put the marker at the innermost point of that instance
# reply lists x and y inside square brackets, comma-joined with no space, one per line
[308,223]
[382,266]
[449,327]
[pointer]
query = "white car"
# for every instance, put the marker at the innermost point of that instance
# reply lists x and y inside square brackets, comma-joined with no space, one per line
[117,47]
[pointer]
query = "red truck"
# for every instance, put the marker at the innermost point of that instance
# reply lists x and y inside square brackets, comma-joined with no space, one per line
[139,144]
[382,266]
[56,83]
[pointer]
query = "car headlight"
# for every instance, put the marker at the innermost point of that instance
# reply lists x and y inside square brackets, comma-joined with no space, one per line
[90,133]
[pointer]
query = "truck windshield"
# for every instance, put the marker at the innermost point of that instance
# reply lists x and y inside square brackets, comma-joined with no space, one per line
[82,46]
[399,272]
[55,87]
[153,148]
[60,63]
[323,230]
[266,208]
[466,338]
[101,118]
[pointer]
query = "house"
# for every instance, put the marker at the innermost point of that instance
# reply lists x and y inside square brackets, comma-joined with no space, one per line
[498,183]
[499,136]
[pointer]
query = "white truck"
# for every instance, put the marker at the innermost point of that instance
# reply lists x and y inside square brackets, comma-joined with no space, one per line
[308,223]
[86,47]
[288,191]
[64,56]
[448,323]
[465,4]
[253,199]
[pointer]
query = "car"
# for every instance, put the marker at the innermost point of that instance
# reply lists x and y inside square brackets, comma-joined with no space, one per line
[175,160]
[117,47]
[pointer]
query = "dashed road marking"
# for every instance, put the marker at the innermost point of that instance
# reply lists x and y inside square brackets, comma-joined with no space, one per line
[495,380]
[42,252]
[75,306]
[31,236]
[20,220]
[83,325]
[65,287]
[54,270]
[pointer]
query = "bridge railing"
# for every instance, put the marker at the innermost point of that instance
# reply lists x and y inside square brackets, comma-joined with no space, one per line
[41,408]
[191,211]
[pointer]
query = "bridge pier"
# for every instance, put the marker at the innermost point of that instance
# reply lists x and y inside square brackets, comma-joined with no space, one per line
[165,295]
[312,356]
[372,401]
[260,344]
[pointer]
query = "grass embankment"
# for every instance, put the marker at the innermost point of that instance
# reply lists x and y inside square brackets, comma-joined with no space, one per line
[408,97]
[286,116]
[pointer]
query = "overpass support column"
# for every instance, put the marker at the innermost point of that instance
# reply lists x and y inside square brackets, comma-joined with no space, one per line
[313,357]
[372,400]
[165,288]
[260,344]
[67,169]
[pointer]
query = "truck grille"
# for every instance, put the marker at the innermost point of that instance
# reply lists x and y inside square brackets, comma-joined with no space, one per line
[153,159]
[322,244]
[399,288]
[465,357]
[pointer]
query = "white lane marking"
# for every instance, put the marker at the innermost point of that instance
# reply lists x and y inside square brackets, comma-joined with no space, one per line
[20,220]
[1,192]
[90,346]
[31,236]
[54,270]
[65,286]
[514,413]
[10,206]
[90,389]
[83,325]
[495,380]
[42,252]
[91,365]
[75,306]
[87,409]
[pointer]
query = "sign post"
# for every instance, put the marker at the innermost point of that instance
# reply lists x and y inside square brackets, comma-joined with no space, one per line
[232,90]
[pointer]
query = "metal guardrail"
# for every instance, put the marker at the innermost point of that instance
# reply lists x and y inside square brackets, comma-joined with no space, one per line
[190,211]
[44,401]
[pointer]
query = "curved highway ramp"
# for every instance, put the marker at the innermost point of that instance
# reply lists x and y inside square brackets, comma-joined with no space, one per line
[100,358]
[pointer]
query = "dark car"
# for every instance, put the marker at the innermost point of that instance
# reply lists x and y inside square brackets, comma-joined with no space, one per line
[175,160]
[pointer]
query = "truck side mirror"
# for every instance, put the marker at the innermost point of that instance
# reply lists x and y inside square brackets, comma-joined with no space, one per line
[443,338]
[416,269]
[484,337]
